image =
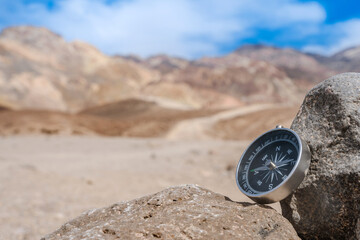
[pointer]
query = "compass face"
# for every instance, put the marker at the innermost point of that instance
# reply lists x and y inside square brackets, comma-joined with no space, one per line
[268,162]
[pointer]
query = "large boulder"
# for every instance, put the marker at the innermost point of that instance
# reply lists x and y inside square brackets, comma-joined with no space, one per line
[327,203]
[183,212]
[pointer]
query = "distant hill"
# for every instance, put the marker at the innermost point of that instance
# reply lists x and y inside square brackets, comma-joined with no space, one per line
[40,70]
[347,60]
[303,68]
[220,82]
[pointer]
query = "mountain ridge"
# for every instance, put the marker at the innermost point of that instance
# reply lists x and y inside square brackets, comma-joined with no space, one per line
[41,70]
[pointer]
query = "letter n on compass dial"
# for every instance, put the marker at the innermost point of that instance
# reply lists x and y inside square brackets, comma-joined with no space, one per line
[267,162]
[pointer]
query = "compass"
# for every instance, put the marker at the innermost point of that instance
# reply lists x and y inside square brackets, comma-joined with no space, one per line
[273,165]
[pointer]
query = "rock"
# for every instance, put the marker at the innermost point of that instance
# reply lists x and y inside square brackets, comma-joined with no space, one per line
[327,203]
[182,212]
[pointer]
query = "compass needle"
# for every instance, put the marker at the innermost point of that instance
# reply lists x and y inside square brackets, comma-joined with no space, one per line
[262,174]
[266,175]
[262,168]
[282,158]
[267,179]
[279,158]
[285,162]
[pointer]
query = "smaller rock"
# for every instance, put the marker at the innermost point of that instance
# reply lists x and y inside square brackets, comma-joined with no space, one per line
[182,212]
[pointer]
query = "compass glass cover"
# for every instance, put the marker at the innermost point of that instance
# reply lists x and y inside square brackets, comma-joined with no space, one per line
[268,162]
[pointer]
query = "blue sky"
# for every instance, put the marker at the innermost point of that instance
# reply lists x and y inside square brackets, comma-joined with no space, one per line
[192,28]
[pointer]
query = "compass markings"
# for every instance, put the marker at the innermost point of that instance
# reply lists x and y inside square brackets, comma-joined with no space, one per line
[271,174]
[278,171]
[268,162]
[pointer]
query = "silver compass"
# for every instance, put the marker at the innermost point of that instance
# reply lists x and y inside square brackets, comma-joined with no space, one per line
[273,165]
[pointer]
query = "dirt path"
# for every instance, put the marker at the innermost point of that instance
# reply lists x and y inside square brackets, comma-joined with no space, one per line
[199,128]
[251,125]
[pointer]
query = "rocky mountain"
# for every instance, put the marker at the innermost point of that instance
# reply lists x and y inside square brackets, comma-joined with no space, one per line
[349,54]
[301,67]
[218,82]
[343,61]
[40,70]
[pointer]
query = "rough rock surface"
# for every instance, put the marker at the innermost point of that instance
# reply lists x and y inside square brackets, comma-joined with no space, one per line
[182,212]
[327,203]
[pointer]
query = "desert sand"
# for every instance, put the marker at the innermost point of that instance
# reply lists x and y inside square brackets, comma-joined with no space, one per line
[49,177]
[45,181]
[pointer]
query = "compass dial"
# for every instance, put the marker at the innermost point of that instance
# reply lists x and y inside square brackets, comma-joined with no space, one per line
[268,162]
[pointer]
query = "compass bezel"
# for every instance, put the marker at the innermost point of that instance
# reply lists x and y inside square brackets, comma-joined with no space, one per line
[291,182]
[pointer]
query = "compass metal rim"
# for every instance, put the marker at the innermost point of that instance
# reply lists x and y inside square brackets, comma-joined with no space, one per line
[294,179]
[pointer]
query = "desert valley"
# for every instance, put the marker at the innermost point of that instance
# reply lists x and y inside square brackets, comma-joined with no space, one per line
[81,129]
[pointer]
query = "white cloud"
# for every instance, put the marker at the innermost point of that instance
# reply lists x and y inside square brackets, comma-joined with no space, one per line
[178,27]
[342,35]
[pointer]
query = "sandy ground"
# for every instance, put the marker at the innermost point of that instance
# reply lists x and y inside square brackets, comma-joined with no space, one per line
[46,181]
